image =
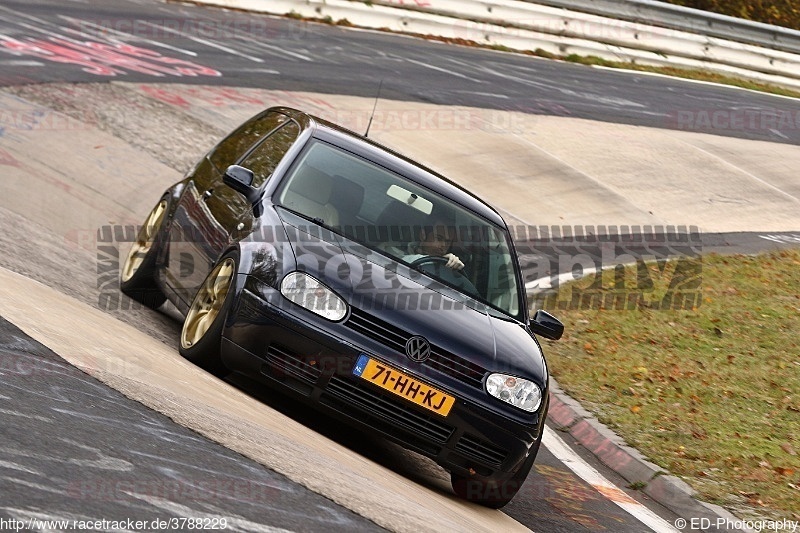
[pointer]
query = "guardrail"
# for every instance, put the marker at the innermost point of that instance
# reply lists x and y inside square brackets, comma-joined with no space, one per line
[624,34]
[524,25]
[686,19]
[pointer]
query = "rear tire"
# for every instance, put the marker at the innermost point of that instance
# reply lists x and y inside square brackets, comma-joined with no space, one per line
[137,273]
[201,335]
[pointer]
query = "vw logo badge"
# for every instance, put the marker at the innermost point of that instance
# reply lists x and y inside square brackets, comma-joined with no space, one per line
[418,349]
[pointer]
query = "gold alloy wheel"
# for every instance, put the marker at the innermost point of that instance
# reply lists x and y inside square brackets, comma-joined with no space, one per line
[207,303]
[144,241]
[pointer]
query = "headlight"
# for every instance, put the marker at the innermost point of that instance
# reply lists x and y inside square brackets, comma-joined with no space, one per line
[517,391]
[310,293]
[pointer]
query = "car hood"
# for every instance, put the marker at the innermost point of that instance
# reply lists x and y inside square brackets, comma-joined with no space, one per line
[408,300]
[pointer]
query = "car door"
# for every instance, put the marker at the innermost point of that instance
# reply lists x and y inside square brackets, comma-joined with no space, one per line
[209,211]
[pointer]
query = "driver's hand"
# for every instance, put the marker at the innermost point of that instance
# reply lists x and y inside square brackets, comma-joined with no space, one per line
[453,262]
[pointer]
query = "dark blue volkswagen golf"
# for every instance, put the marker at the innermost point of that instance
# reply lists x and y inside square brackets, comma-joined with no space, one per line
[354,279]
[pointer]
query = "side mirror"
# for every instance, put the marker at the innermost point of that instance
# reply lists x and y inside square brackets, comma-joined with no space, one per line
[546,325]
[240,179]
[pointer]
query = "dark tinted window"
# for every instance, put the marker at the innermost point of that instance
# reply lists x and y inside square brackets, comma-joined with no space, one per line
[237,143]
[388,214]
[266,156]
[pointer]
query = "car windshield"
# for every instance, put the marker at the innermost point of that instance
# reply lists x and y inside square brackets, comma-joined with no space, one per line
[410,223]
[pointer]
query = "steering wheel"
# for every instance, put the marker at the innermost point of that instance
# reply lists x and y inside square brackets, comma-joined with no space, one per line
[436,259]
[429,259]
[459,277]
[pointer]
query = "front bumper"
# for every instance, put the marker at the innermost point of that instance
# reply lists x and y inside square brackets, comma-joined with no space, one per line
[311,359]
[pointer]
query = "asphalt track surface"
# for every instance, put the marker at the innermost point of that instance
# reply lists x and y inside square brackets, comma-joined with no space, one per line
[75,449]
[273,53]
[72,473]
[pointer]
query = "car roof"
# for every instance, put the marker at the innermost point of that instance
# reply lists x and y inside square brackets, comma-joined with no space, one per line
[392,160]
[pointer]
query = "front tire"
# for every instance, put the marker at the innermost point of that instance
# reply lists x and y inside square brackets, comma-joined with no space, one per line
[201,334]
[137,275]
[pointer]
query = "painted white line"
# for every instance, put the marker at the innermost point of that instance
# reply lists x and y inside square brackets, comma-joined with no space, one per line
[779,134]
[279,50]
[440,69]
[548,283]
[477,93]
[784,239]
[203,41]
[16,13]
[19,62]
[256,48]
[30,26]
[587,472]
[13,412]
[518,79]
[259,70]
[15,466]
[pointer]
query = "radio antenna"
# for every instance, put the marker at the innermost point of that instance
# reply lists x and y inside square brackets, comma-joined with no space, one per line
[374,106]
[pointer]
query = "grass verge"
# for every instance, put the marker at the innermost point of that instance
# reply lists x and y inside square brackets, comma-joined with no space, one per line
[690,74]
[711,393]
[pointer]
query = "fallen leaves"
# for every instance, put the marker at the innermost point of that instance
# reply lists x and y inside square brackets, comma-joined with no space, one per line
[699,433]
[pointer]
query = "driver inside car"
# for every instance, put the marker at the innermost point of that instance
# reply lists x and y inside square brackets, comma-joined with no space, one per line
[435,242]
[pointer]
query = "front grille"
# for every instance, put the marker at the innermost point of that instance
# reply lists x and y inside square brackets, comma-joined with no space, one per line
[379,330]
[456,366]
[386,413]
[483,451]
[395,338]
[291,364]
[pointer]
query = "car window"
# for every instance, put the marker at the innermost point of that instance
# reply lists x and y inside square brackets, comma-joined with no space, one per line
[232,147]
[263,159]
[387,212]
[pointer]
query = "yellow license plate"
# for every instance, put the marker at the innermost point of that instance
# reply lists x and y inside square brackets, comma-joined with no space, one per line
[403,385]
